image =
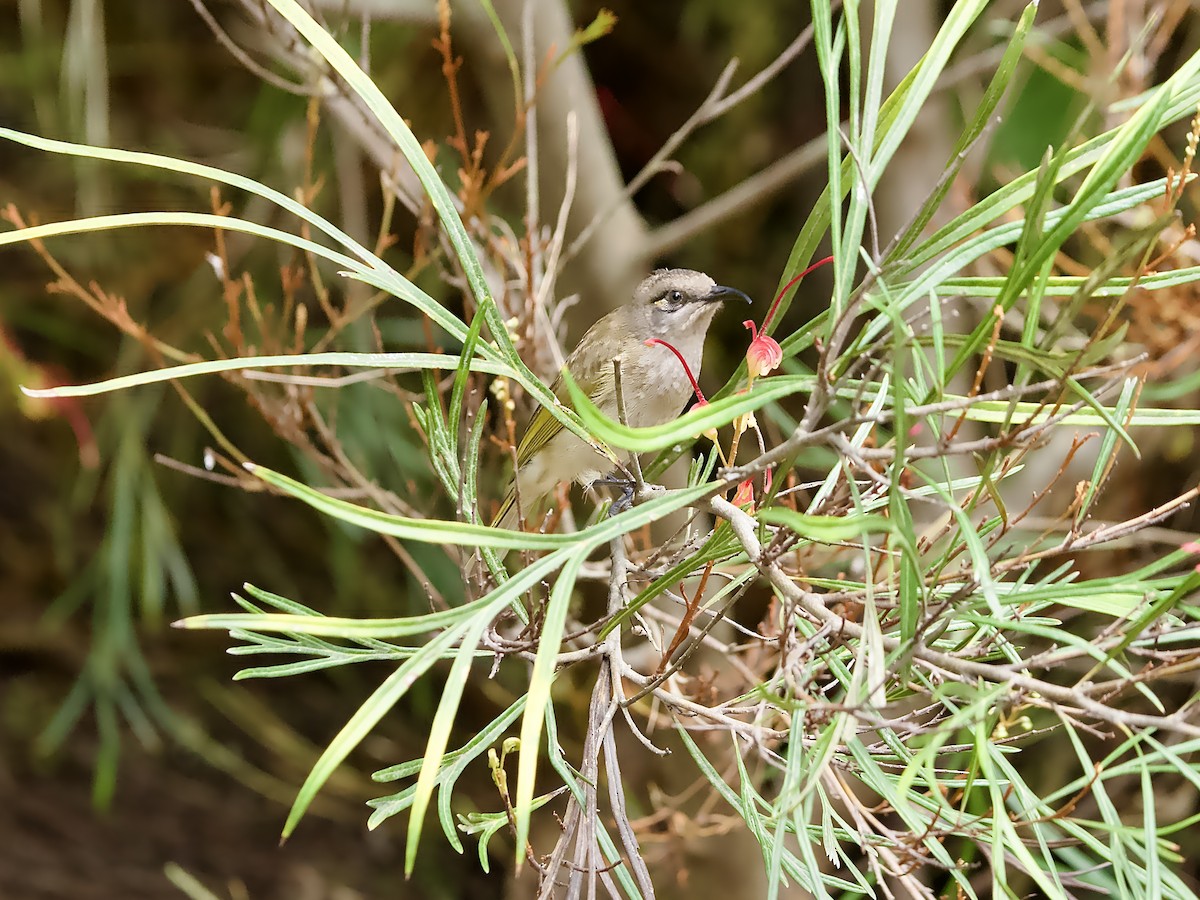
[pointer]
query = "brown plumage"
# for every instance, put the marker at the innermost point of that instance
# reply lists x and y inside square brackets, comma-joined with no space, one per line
[674,305]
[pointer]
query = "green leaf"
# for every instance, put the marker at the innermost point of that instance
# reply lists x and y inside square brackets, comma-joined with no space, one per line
[538,696]
[385,361]
[366,718]
[980,120]
[825,529]
[687,427]
[439,732]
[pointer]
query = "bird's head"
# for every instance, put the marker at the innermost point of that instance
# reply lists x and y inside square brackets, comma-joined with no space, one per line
[678,302]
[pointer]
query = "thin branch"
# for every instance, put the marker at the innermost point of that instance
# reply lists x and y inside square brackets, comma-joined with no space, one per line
[1054,696]
[245,59]
[549,278]
[716,104]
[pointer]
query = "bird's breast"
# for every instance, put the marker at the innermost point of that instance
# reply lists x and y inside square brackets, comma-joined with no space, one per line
[659,387]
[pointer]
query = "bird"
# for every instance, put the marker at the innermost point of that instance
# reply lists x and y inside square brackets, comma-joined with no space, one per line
[675,306]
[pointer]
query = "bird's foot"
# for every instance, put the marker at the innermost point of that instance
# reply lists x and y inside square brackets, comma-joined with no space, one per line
[623,502]
[630,495]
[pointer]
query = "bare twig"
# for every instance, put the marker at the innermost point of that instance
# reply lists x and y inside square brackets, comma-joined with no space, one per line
[244,58]
[1052,696]
[715,105]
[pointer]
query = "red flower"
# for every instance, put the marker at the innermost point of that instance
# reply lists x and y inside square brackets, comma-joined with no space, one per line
[764,354]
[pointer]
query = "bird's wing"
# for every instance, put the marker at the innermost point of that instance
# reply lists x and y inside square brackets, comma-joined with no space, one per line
[594,376]
[543,426]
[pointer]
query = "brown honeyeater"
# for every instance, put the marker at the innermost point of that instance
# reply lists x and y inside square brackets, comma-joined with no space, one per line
[672,305]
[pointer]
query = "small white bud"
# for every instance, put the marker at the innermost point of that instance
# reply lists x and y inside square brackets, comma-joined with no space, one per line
[218,266]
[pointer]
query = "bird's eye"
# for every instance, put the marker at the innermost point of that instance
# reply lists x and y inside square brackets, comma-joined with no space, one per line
[670,300]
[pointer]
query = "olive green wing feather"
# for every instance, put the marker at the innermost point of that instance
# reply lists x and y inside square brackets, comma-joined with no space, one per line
[542,428]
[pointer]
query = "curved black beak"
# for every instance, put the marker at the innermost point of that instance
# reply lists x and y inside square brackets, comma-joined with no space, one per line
[720,292]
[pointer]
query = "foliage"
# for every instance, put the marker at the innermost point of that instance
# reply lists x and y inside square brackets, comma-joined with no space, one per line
[925,630]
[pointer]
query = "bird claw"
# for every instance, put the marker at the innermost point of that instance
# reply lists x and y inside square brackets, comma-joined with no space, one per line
[630,494]
[625,501]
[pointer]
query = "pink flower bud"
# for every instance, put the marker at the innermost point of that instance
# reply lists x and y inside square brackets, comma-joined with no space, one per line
[764,354]
[710,433]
